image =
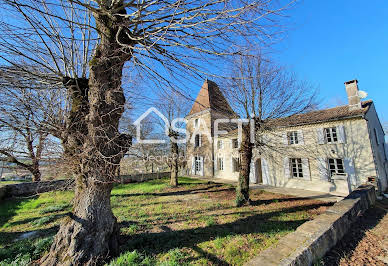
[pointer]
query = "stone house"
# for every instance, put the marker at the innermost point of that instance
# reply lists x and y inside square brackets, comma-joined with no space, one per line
[332,150]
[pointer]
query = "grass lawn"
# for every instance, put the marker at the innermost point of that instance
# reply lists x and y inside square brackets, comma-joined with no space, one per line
[195,223]
[3,183]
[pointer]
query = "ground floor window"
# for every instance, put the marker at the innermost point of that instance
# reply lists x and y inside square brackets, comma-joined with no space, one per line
[221,164]
[236,164]
[336,166]
[296,167]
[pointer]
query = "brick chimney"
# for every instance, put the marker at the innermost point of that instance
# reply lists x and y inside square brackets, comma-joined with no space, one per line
[354,100]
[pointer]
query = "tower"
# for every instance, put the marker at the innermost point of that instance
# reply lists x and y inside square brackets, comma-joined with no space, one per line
[209,105]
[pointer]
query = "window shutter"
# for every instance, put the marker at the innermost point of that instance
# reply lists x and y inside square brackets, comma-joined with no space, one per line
[321,139]
[286,168]
[300,137]
[285,139]
[341,134]
[323,171]
[200,140]
[349,169]
[265,172]
[252,177]
[193,165]
[306,168]
[202,166]
[216,166]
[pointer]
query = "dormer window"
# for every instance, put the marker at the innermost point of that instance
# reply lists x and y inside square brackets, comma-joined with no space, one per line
[331,134]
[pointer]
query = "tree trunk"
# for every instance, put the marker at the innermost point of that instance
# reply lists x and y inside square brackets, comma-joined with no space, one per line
[36,174]
[174,164]
[242,190]
[90,234]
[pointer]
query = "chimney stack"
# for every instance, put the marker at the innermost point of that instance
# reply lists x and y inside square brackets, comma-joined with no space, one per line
[353,97]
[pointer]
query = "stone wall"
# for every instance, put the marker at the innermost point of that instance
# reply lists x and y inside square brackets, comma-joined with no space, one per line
[313,239]
[125,179]
[32,188]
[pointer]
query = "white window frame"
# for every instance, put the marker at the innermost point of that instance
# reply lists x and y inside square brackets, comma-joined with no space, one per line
[196,122]
[197,165]
[292,137]
[336,166]
[330,134]
[221,163]
[296,168]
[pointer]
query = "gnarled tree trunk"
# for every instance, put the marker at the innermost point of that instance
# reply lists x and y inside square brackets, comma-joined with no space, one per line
[91,232]
[242,190]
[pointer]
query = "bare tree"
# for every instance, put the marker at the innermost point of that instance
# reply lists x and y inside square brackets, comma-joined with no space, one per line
[262,92]
[173,106]
[160,39]
[25,112]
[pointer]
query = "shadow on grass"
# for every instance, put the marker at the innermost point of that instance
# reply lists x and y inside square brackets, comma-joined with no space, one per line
[262,202]
[9,237]
[178,193]
[9,207]
[154,243]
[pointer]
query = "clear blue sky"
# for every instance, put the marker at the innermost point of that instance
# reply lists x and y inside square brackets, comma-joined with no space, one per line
[333,41]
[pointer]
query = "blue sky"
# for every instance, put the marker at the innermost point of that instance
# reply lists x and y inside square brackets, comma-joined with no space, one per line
[333,41]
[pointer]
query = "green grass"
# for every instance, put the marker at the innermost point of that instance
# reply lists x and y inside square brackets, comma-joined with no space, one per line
[195,223]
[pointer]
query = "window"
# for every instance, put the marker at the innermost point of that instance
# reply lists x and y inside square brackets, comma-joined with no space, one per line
[220,144]
[331,134]
[336,167]
[292,137]
[198,165]
[221,164]
[196,122]
[236,164]
[296,167]
[234,143]
[197,140]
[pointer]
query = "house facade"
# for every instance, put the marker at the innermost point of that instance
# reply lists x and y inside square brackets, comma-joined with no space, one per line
[332,150]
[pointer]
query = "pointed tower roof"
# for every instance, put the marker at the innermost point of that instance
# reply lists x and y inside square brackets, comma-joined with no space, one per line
[211,97]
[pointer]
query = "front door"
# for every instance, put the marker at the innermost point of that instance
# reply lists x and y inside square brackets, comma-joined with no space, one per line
[258,171]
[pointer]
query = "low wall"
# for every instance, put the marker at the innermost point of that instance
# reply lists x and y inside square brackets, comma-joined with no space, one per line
[125,179]
[32,188]
[313,239]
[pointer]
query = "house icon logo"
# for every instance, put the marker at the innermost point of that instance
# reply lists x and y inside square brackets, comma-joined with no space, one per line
[137,123]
